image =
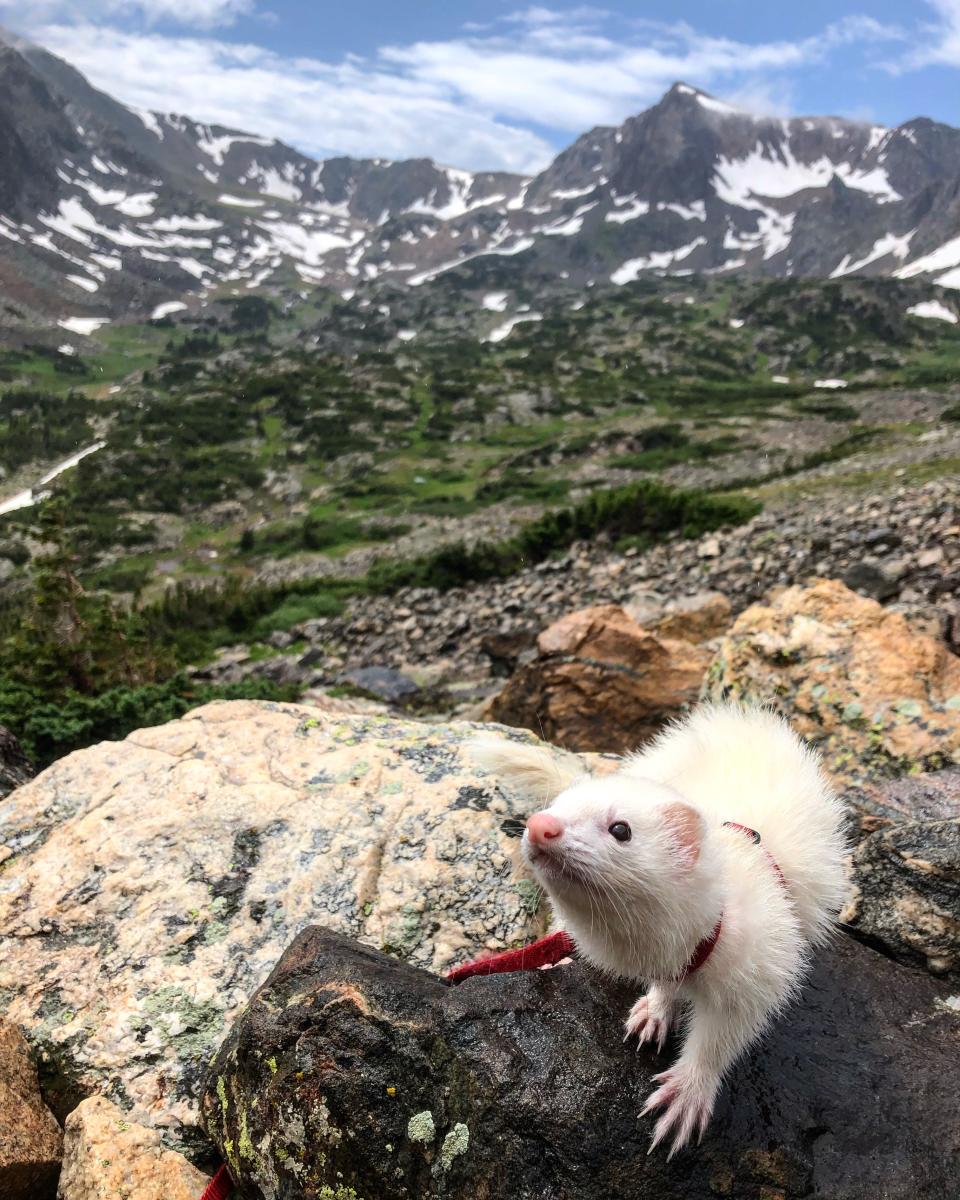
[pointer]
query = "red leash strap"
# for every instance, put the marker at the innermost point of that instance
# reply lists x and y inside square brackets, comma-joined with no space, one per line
[219,1187]
[548,951]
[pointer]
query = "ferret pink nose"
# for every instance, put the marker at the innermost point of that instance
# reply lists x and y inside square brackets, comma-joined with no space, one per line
[543,827]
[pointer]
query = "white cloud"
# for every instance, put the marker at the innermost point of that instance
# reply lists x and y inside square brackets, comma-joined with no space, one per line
[581,76]
[202,14]
[940,40]
[349,108]
[469,100]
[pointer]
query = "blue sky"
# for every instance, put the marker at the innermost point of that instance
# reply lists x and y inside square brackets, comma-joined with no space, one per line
[490,83]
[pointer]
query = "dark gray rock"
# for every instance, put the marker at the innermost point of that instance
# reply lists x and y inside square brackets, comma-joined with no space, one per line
[870,581]
[352,1070]
[383,683]
[906,871]
[15,768]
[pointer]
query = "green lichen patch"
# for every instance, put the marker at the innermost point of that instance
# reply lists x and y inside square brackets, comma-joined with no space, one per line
[194,1028]
[455,1143]
[244,1144]
[421,1127]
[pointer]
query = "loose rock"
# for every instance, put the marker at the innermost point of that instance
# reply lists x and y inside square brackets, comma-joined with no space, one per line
[106,1156]
[600,682]
[30,1138]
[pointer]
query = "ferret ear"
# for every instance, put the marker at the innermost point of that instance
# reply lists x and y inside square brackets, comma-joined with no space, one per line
[687,830]
[533,772]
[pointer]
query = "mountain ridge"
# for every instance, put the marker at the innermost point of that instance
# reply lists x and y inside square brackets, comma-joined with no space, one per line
[108,212]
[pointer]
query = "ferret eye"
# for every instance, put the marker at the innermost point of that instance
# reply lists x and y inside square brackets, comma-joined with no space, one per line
[620,830]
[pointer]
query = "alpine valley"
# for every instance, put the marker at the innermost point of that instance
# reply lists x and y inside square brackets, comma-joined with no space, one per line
[267,421]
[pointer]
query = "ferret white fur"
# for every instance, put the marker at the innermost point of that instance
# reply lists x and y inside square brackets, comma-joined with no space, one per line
[638,909]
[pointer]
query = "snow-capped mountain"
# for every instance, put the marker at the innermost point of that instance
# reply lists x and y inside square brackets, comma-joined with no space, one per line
[106,211]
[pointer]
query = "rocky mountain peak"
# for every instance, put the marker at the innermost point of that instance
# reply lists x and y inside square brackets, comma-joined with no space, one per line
[105,209]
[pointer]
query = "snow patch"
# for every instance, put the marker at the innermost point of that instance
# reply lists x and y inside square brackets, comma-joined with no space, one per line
[764,173]
[82,325]
[947,255]
[165,310]
[830,384]
[890,243]
[659,260]
[216,146]
[573,193]
[88,285]
[637,208]
[240,202]
[150,121]
[504,330]
[30,496]
[717,106]
[934,310]
[495,301]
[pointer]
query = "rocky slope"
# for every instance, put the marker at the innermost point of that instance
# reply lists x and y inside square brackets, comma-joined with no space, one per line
[104,210]
[901,547]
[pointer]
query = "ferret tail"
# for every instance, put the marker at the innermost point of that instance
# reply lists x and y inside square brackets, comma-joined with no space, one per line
[534,772]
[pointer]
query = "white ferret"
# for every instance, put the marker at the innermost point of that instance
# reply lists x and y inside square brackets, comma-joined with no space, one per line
[656,874]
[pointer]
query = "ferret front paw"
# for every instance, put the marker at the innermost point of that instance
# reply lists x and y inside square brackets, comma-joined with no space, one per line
[687,1100]
[650,1019]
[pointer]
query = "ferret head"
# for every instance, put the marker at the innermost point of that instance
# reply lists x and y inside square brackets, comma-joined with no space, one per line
[627,862]
[614,837]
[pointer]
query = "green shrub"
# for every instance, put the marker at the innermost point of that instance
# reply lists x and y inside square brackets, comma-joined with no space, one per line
[951,414]
[646,511]
[49,726]
[295,609]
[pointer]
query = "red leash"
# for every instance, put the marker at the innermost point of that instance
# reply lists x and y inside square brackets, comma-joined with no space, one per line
[219,1187]
[548,951]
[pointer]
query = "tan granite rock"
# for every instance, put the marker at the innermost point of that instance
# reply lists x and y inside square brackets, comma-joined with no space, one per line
[107,1157]
[157,880]
[876,695]
[30,1138]
[601,682]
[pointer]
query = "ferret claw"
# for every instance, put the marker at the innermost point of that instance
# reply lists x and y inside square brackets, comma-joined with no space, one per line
[649,1019]
[687,1106]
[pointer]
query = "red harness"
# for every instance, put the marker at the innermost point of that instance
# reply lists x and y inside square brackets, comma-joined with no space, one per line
[548,951]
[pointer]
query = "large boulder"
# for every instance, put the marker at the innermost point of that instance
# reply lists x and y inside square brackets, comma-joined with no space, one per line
[153,883]
[30,1138]
[601,682]
[906,870]
[878,696]
[107,1156]
[354,1075]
